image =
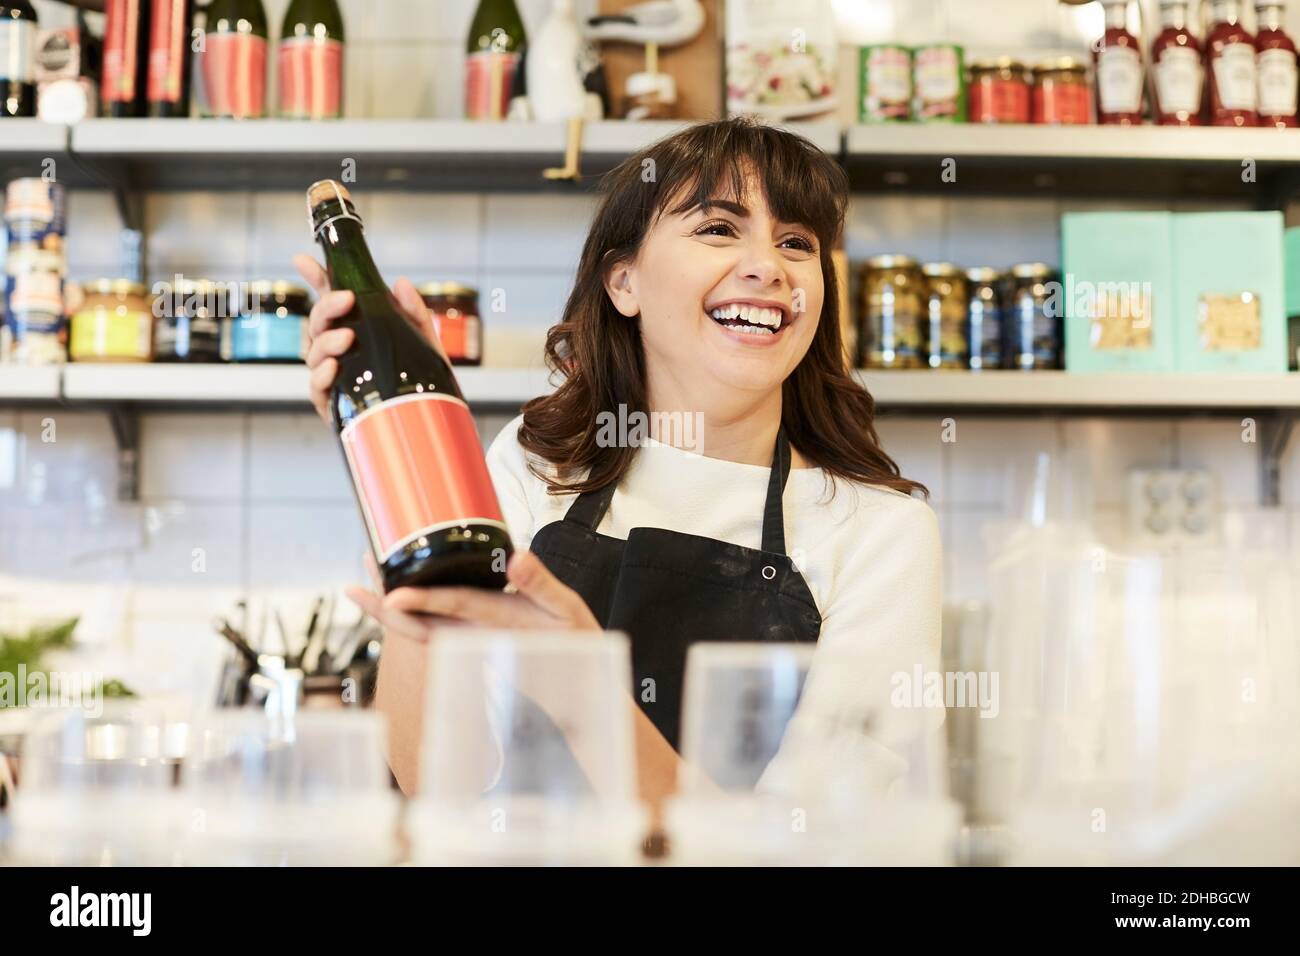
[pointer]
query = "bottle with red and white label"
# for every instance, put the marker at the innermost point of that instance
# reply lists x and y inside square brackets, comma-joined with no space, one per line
[234,59]
[1118,58]
[492,53]
[1176,69]
[1230,71]
[169,57]
[409,440]
[126,58]
[1275,64]
[311,61]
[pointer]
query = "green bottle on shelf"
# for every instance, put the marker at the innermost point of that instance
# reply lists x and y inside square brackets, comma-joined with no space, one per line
[492,54]
[17,58]
[311,61]
[234,59]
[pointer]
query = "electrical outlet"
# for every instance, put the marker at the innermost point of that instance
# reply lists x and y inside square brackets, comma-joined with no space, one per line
[1172,507]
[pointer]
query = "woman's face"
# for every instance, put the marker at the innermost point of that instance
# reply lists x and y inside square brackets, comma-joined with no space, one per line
[729,298]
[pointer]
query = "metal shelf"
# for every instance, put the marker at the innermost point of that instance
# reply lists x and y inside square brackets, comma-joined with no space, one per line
[20,384]
[25,145]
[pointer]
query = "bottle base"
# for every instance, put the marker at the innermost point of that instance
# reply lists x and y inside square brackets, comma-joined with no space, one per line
[471,555]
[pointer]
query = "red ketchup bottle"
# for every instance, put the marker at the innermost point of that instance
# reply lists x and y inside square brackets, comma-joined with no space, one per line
[1118,58]
[1176,68]
[1230,68]
[1275,64]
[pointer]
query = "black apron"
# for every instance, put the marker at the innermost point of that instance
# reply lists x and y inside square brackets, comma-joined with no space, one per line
[667,590]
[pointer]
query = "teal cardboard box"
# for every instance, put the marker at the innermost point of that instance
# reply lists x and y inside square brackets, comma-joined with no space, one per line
[1231,292]
[1117,286]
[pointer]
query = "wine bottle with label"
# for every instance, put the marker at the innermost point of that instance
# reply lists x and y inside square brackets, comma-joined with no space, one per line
[169,57]
[311,60]
[126,58]
[496,41]
[408,438]
[17,58]
[234,59]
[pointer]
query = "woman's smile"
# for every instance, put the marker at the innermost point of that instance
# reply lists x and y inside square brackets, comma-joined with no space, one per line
[751,322]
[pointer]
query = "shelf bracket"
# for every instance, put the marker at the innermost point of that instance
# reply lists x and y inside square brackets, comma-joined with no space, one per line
[1274,434]
[126,432]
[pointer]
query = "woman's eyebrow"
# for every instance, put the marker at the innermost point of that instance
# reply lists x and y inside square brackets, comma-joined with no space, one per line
[732,207]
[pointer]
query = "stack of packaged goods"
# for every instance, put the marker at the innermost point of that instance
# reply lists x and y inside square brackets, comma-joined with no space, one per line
[35,330]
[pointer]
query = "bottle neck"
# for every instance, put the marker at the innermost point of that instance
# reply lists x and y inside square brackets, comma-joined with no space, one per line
[1225,11]
[1269,16]
[1173,16]
[348,259]
[1116,16]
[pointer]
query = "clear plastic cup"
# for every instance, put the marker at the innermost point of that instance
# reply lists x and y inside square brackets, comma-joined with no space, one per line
[778,772]
[99,790]
[312,790]
[528,754]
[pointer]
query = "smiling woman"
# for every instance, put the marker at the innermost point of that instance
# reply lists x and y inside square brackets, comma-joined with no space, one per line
[755,505]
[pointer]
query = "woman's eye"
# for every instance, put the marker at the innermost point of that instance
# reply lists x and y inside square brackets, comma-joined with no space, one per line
[716,229]
[800,243]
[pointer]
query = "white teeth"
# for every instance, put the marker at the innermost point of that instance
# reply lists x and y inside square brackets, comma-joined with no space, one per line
[755,315]
[747,329]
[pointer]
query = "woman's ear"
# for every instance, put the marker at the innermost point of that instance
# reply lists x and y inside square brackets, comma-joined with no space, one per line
[618,283]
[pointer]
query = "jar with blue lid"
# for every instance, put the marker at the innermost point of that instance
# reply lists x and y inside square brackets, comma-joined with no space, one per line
[270,326]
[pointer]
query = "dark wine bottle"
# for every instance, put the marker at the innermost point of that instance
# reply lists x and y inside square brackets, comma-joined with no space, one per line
[407,435]
[234,59]
[17,58]
[492,54]
[311,60]
[170,58]
[126,60]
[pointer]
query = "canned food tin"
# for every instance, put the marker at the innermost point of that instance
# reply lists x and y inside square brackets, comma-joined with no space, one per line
[984,318]
[886,83]
[938,83]
[946,343]
[35,200]
[892,313]
[1035,318]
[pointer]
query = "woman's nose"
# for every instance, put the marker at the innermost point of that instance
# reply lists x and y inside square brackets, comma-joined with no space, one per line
[762,264]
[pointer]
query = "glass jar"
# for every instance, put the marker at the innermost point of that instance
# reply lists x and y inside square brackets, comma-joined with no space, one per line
[187,323]
[456,320]
[1061,93]
[270,324]
[984,317]
[999,91]
[1035,318]
[114,323]
[946,342]
[892,333]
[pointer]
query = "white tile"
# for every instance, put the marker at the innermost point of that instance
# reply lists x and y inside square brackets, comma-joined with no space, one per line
[535,231]
[67,458]
[305,545]
[512,346]
[533,301]
[992,460]
[1112,447]
[277,231]
[423,234]
[1291,471]
[295,457]
[199,545]
[402,82]
[911,225]
[449,79]
[192,228]
[1002,232]
[377,21]
[966,555]
[192,457]
[914,442]
[1016,24]
[93,234]
[1215,444]
[358,88]
[1258,530]
[859,22]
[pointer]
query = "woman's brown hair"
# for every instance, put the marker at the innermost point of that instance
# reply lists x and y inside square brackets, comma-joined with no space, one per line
[598,354]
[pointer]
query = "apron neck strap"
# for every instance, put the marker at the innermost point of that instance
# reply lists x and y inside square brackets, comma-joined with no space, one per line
[589,508]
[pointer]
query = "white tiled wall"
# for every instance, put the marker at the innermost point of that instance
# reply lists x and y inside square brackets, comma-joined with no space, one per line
[232,501]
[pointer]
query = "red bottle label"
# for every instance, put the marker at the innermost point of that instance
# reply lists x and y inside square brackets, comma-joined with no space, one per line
[311,78]
[121,50]
[418,468]
[488,78]
[234,74]
[168,47]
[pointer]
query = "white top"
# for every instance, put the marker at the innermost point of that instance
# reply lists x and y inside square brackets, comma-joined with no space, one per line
[871,558]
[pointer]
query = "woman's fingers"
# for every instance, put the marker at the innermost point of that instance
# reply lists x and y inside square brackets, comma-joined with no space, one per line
[534,581]
[392,620]
[416,312]
[322,379]
[329,308]
[473,605]
[329,344]
[312,274]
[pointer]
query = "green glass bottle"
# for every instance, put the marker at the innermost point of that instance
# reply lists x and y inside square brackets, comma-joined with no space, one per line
[17,58]
[234,59]
[408,437]
[496,42]
[311,61]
